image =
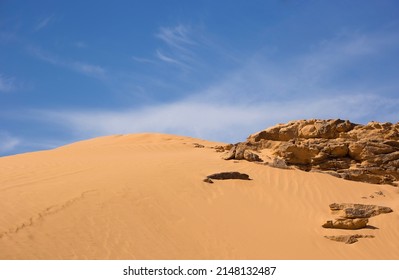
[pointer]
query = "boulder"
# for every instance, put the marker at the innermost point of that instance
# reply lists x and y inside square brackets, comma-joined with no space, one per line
[278,163]
[239,151]
[250,156]
[231,154]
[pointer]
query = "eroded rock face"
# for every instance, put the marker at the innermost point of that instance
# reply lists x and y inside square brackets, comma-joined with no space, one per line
[367,153]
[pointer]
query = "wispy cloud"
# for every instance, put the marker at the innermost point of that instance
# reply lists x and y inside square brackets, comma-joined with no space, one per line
[180,42]
[171,60]
[7,142]
[44,22]
[91,70]
[261,92]
[217,121]
[7,84]
[178,37]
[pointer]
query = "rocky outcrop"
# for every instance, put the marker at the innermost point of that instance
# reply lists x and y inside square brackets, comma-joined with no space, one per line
[348,239]
[346,223]
[353,211]
[221,149]
[226,176]
[367,153]
[242,152]
[353,216]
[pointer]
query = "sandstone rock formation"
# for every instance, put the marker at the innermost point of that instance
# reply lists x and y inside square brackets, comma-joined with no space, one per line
[367,153]
[343,223]
[353,216]
[226,176]
[353,211]
[241,152]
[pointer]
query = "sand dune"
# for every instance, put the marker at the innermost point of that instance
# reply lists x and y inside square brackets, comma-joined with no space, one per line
[142,196]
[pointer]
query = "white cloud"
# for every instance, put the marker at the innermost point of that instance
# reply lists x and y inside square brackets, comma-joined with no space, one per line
[260,93]
[7,84]
[43,23]
[218,121]
[7,142]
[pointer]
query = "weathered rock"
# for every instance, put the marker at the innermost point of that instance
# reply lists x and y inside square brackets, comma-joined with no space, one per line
[306,129]
[334,164]
[366,153]
[196,145]
[231,154]
[355,150]
[364,175]
[297,154]
[228,175]
[250,156]
[241,151]
[353,211]
[346,223]
[348,239]
[278,163]
[221,149]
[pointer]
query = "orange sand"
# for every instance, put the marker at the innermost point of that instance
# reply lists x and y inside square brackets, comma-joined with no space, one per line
[142,197]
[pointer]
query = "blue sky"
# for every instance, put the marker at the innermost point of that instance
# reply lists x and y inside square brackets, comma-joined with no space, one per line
[218,70]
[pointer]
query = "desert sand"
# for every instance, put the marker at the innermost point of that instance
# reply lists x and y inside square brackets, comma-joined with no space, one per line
[142,196]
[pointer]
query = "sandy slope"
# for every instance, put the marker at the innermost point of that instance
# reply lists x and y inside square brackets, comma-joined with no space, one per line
[142,197]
